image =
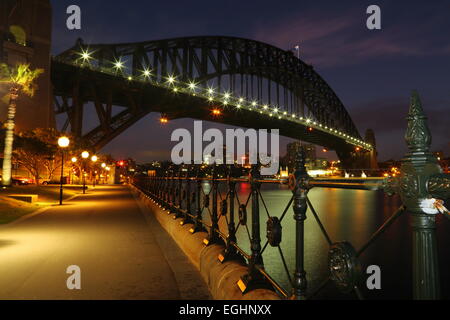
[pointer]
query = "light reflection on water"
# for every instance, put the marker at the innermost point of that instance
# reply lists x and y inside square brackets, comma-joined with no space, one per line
[350,215]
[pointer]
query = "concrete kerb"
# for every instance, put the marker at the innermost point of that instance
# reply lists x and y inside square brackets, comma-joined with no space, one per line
[221,278]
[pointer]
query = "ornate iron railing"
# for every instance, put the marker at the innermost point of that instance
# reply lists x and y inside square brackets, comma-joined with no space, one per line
[217,210]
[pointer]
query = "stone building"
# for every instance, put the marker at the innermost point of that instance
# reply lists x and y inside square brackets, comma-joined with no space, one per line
[25,37]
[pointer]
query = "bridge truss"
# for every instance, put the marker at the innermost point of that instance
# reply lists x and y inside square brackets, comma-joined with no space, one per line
[253,84]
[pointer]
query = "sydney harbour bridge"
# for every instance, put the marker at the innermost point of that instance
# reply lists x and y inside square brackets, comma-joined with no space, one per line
[249,84]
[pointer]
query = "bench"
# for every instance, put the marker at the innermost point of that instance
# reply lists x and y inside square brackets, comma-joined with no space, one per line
[30,198]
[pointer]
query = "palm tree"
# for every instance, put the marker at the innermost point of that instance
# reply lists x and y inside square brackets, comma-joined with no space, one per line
[20,79]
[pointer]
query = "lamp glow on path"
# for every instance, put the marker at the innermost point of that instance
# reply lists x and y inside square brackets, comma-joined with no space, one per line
[85,154]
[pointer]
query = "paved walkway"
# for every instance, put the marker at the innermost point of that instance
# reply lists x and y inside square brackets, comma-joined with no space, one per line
[122,251]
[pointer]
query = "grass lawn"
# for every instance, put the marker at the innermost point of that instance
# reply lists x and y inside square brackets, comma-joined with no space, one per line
[11,209]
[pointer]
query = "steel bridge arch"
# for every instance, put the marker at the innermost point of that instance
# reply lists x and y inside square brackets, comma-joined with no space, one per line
[247,68]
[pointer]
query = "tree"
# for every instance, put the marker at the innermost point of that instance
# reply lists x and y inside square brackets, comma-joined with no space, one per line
[52,160]
[30,152]
[21,79]
[37,150]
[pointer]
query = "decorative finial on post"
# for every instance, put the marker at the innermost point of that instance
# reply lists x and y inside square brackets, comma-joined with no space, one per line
[300,162]
[418,136]
[418,166]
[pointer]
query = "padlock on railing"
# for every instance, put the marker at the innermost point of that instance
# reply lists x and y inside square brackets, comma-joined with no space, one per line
[274,231]
[206,201]
[243,214]
[223,207]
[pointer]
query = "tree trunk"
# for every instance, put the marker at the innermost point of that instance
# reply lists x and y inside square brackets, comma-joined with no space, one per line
[9,137]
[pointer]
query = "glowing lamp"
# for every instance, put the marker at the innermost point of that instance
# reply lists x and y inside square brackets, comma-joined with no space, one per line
[63,142]
[163,120]
[118,65]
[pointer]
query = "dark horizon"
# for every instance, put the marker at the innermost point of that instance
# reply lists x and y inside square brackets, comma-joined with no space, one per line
[372,72]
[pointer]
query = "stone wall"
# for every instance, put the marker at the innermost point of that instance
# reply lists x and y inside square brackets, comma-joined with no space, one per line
[221,278]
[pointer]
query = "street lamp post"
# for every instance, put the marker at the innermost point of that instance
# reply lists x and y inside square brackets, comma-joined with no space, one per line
[63,143]
[84,155]
[94,160]
[103,172]
[74,160]
[108,169]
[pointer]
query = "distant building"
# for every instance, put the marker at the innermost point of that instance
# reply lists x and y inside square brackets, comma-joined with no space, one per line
[321,163]
[310,153]
[284,173]
[25,37]
[292,153]
[439,155]
[207,159]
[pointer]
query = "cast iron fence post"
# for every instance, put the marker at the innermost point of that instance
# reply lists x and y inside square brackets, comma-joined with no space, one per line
[416,168]
[298,182]
[178,213]
[187,197]
[198,224]
[213,237]
[172,191]
[254,278]
[230,252]
[420,190]
[166,191]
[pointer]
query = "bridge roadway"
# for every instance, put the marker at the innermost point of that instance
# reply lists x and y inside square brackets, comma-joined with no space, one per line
[122,251]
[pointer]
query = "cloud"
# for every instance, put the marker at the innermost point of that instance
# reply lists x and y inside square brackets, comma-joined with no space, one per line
[342,38]
[148,155]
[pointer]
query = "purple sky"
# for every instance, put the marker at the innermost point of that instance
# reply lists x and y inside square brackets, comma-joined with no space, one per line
[373,72]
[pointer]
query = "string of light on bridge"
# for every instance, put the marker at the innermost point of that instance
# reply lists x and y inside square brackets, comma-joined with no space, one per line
[226,98]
